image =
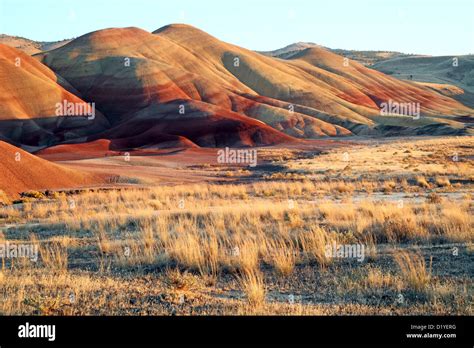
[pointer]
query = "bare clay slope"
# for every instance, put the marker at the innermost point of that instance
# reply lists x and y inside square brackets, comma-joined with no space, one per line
[378,86]
[22,172]
[29,92]
[444,71]
[315,77]
[151,90]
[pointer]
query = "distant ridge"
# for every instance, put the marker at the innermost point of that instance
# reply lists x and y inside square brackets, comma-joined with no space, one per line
[28,46]
[367,58]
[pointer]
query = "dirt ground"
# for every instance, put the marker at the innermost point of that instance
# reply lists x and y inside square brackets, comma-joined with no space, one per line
[180,234]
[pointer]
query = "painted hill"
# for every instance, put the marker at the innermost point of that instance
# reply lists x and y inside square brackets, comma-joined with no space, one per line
[22,172]
[29,94]
[377,87]
[167,91]
[153,86]
[316,78]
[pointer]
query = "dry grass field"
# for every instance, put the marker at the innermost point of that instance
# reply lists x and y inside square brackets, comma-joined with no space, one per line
[257,240]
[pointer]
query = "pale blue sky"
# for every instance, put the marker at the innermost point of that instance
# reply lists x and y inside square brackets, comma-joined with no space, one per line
[437,27]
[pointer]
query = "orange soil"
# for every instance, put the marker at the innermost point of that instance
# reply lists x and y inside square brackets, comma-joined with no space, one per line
[21,171]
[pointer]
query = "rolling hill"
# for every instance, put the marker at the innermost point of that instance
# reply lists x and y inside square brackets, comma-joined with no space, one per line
[438,70]
[22,171]
[366,58]
[28,46]
[182,83]
[29,94]
[181,87]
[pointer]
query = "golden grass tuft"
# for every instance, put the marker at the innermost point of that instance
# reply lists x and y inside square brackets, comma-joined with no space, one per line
[283,256]
[422,182]
[247,257]
[313,245]
[252,284]
[413,270]
[4,199]
[177,280]
[442,181]
[54,256]
[377,279]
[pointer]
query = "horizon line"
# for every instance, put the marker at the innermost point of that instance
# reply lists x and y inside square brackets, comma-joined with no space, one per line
[255,50]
